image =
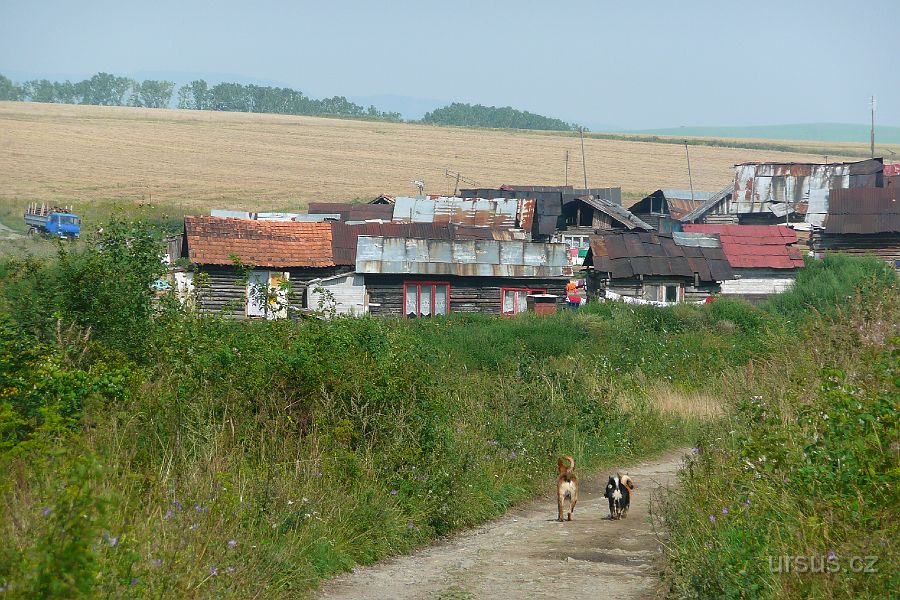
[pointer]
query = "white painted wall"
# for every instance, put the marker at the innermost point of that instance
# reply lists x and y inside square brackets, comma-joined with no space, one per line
[349,293]
[756,285]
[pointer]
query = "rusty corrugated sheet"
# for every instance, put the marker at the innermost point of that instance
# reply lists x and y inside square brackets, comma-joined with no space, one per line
[864,211]
[466,258]
[622,215]
[629,254]
[353,212]
[497,213]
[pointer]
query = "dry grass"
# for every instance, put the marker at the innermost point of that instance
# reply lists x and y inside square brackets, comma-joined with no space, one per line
[688,405]
[188,161]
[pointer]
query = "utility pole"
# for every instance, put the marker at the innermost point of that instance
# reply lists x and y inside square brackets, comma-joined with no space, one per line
[567,167]
[583,163]
[690,178]
[872,139]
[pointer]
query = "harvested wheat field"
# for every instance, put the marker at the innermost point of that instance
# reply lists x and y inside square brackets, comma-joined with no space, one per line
[188,161]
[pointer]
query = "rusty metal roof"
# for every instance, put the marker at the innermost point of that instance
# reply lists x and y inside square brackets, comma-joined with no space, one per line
[468,258]
[497,213]
[350,211]
[708,204]
[626,255]
[864,210]
[345,235]
[755,246]
[678,202]
[215,240]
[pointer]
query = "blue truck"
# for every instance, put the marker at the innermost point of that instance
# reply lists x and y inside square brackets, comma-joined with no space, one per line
[52,221]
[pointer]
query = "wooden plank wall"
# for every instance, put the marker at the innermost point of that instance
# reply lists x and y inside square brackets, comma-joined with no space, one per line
[467,294]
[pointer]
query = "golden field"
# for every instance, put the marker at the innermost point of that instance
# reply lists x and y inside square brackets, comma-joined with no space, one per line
[102,158]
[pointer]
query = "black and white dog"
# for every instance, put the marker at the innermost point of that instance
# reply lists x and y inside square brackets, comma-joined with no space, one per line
[618,491]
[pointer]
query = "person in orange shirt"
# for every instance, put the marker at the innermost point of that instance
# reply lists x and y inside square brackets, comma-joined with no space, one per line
[572,297]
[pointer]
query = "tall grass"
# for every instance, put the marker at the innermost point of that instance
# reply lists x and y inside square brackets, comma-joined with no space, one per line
[169,454]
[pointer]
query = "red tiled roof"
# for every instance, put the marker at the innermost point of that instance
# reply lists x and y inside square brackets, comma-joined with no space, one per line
[755,246]
[213,241]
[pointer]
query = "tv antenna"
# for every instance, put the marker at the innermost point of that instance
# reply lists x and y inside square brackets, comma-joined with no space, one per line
[420,185]
[872,139]
[458,177]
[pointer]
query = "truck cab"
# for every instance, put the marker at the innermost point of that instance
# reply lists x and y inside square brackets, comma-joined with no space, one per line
[65,225]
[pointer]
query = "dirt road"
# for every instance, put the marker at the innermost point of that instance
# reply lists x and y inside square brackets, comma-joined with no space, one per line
[528,554]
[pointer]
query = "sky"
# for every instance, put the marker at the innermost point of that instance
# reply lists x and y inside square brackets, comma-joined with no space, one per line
[631,65]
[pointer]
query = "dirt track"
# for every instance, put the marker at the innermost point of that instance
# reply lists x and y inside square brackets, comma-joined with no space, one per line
[528,554]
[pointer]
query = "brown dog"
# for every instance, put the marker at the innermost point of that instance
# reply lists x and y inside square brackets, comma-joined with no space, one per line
[566,485]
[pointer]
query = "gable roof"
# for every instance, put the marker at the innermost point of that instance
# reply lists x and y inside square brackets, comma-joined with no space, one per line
[496,213]
[864,210]
[678,202]
[759,246]
[634,253]
[708,204]
[213,241]
[622,215]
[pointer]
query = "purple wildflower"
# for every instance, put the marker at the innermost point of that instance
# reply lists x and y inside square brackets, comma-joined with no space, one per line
[46,511]
[168,514]
[213,571]
[712,518]
[199,508]
[134,581]
[157,562]
[831,555]
[229,569]
[393,492]
[177,505]
[410,525]
[695,450]
[232,543]
[747,502]
[724,511]
[512,454]
[112,541]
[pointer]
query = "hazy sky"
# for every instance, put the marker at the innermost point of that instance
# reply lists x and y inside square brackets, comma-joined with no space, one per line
[628,64]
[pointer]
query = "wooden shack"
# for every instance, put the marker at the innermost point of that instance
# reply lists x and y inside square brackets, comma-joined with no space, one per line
[424,278]
[862,221]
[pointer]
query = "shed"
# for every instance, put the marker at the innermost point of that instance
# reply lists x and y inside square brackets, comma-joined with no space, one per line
[862,221]
[240,257]
[764,258]
[344,294]
[656,267]
[668,205]
[419,278]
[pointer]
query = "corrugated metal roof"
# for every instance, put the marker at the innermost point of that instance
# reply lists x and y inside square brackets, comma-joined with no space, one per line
[864,210]
[469,258]
[622,215]
[350,211]
[698,196]
[496,213]
[231,214]
[701,210]
[213,241]
[629,254]
[755,245]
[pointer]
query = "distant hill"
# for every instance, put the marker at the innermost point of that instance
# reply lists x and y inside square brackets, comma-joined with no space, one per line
[820,132]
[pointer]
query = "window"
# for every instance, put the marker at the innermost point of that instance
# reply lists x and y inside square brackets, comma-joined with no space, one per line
[671,293]
[514,300]
[426,298]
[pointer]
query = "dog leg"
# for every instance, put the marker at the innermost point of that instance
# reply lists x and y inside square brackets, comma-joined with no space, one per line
[572,502]
[559,502]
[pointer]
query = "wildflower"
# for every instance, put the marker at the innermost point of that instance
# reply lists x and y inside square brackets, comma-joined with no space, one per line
[229,569]
[712,518]
[177,505]
[393,492]
[412,468]
[747,502]
[157,562]
[305,499]
[168,514]
[46,511]
[134,580]
[290,502]
[232,543]
[193,527]
[512,454]
[695,450]
[410,525]
[724,511]
[318,473]
[199,508]
[831,555]
[213,571]
[112,541]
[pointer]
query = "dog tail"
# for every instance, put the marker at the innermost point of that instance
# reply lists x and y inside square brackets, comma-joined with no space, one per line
[626,481]
[564,468]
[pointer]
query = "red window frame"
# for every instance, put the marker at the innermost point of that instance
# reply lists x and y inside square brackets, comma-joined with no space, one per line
[515,311]
[418,285]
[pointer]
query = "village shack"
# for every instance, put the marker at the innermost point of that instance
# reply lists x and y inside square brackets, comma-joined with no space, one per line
[655,267]
[862,221]
[239,257]
[782,193]
[764,258]
[664,208]
[424,278]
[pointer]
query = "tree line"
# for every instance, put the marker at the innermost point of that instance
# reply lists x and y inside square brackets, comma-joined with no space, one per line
[506,117]
[104,89]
